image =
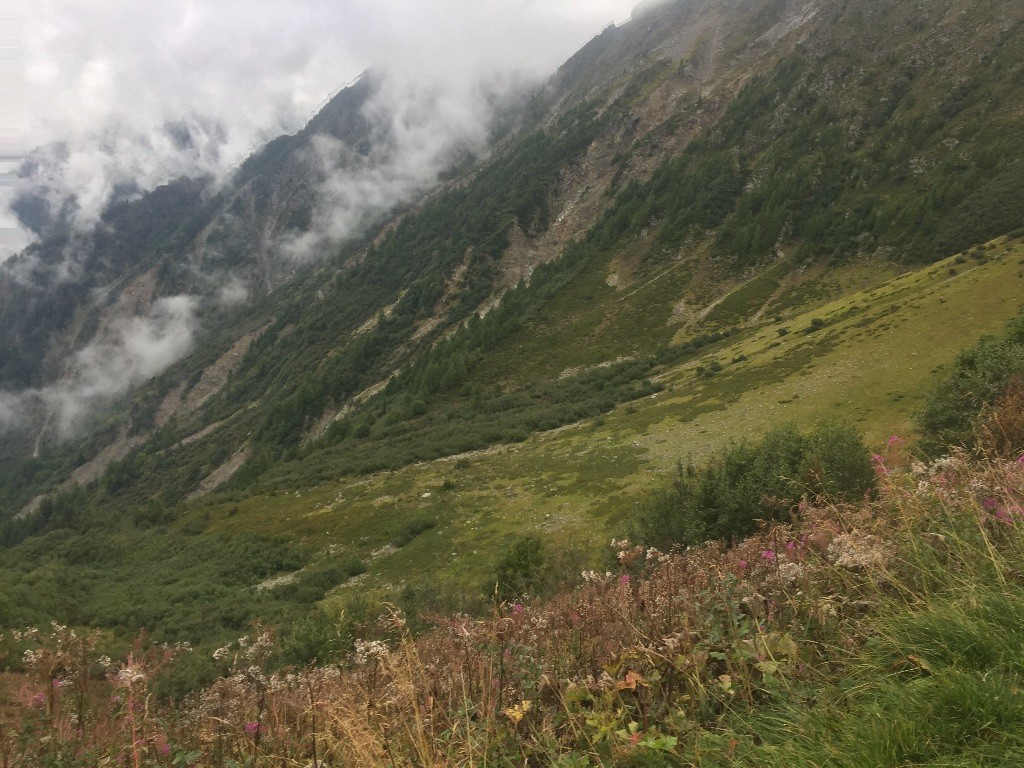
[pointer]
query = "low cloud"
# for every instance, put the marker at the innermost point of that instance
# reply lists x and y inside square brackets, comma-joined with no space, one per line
[135,350]
[125,96]
[424,126]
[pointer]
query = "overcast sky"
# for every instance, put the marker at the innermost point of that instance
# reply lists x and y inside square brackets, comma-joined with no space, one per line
[106,76]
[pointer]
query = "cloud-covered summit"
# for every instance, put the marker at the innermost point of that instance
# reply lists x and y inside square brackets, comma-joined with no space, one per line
[124,96]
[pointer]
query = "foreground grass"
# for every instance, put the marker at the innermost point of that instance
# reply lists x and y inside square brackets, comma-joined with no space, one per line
[884,634]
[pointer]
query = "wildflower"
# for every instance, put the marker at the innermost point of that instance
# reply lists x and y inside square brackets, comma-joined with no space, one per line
[990,503]
[879,463]
[624,578]
[768,554]
[252,728]
[517,608]
[370,650]
[895,441]
[128,676]
[742,565]
[519,711]
[790,572]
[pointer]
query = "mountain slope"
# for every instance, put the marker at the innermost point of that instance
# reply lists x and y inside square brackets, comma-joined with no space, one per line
[699,207]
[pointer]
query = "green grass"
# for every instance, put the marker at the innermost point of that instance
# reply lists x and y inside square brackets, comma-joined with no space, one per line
[871,364]
[749,298]
[939,682]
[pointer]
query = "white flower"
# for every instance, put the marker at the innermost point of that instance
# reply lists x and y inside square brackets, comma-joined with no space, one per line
[370,650]
[128,676]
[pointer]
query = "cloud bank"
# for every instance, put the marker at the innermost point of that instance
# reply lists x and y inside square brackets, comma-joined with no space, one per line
[135,350]
[127,95]
[112,98]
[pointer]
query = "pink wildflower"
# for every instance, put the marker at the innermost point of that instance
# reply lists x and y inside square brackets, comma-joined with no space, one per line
[742,565]
[879,465]
[990,503]
[624,578]
[895,441]
[252,728]
[768,554]
[517,608]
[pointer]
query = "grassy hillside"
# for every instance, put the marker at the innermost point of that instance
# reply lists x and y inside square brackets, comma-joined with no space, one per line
[432,533]
[880,634]
[722,237]
[867,357]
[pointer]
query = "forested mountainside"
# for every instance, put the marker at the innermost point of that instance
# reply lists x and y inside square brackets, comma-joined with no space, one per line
[696,210]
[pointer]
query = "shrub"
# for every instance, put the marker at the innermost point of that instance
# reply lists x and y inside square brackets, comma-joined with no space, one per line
[980,375]
[746,483]
[1000,429]
[523,570]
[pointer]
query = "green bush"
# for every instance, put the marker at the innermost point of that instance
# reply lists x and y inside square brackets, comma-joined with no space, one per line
[978,377]
[745,483]
[524,569]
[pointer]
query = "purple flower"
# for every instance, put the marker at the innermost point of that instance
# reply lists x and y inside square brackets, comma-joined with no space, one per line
[624,578]
[517,608]
[768,554]
[896,441]
[742,565]
[252,728]
[990,503]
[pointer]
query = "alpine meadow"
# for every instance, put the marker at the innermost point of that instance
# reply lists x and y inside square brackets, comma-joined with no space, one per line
[314,459]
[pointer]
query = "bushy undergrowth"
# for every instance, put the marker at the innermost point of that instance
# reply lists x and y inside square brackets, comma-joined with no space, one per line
[726,497]
[884,633]
[958,408]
